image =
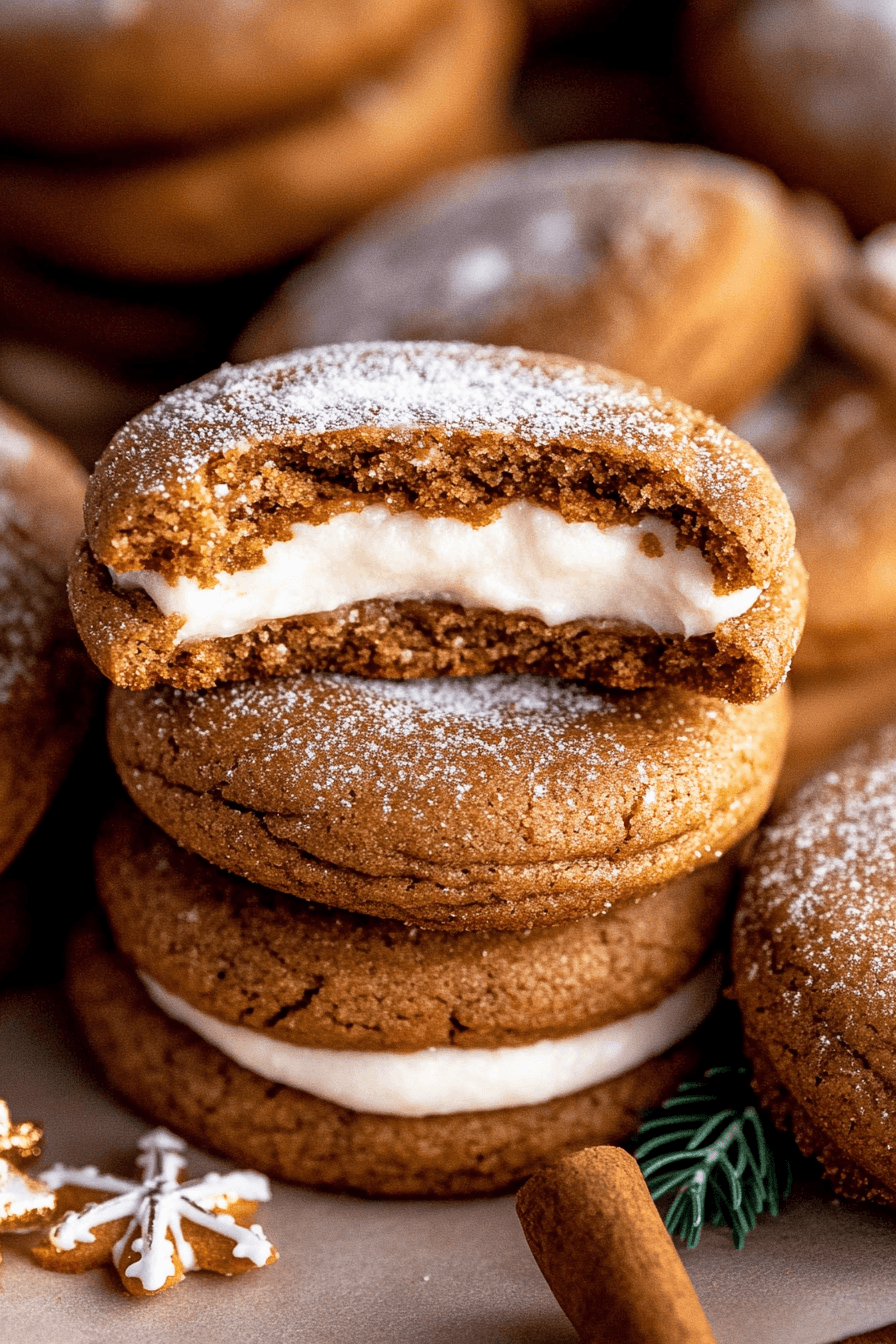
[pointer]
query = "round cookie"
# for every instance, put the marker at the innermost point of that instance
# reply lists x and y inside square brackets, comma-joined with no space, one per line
[47,686]
[807,87]
[312,976]
[811,967]
[253,201]
[493,802]
[172,1075]
[673,264]
[86,77]
[829,435]
[486,510]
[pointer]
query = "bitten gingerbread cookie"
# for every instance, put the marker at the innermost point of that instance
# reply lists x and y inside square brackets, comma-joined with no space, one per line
[676,265]
[47,686]
[345,1051]
[410,510]
[487,802]
[810,954]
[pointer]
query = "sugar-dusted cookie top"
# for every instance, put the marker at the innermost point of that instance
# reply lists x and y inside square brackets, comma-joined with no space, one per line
[812,957]
[486,802]
[677,265]
[312,504]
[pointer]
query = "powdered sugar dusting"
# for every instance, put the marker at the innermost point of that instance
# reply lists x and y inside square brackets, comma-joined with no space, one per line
[404,387]
[493,697]
[821,890]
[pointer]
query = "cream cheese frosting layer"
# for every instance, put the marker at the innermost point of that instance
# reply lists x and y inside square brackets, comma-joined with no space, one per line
[528,559]
[445,1080]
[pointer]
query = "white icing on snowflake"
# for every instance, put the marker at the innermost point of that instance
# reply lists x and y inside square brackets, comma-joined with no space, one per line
[155,1207]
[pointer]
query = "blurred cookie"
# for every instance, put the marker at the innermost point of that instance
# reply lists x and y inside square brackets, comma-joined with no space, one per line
[85,77]
[47,687]
[409,510]
[812,971]
[261,198]
[488,802]
[829,435]
[807,87]
[675,265]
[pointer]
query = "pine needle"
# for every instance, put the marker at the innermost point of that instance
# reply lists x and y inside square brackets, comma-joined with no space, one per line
[722,1161]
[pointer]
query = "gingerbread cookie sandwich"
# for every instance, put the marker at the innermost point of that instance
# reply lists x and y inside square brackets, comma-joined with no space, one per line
[676,265]
[350,1052]
[413,510]
[485,802]
[811,966]
[47,686]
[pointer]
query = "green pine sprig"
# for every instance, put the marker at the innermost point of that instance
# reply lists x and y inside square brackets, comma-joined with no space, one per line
[723,1160]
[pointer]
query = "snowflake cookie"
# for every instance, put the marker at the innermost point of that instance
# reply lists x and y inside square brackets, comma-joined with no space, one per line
[154,1230]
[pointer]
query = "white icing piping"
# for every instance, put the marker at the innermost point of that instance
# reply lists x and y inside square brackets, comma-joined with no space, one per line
[527,560]
[445,1080]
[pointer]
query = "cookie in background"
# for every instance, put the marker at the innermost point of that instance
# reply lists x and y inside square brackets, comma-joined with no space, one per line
[807,87]
[267,190]
[676,265]
[47,686]
[829,434]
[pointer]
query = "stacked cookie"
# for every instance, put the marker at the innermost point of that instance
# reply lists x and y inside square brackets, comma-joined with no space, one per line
[448,678]
[152,154]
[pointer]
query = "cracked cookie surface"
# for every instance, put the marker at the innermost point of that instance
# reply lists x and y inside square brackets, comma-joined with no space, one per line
[812,955]
[492,802]
[176,1078]
[314,976]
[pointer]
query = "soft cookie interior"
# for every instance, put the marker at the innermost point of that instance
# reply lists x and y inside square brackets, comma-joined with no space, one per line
[519,512]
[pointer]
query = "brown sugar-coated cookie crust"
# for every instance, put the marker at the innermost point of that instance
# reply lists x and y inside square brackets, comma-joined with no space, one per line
[206,479]
[673,264]
[82,77]
[489,803]
[47,686]
[812,967]
[320,977]
[169,1074]
[251,201]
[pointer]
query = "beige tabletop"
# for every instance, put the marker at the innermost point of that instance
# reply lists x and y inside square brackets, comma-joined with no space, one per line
[356,1271]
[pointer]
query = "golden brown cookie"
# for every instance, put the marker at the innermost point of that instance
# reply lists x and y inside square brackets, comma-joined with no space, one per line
[494,802]
[47,686]
[263,197]
[829,435]
[448,477]
[805,86]
[673,264]
[812,968]
[172,1075]
[829,712]
[319,977]
[87,77]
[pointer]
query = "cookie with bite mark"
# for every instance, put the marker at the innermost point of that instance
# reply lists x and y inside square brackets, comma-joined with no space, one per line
[677,265]
[415,510]
[468,803]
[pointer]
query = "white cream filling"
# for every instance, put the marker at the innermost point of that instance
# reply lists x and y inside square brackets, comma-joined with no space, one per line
[527,559]
[444,1079]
